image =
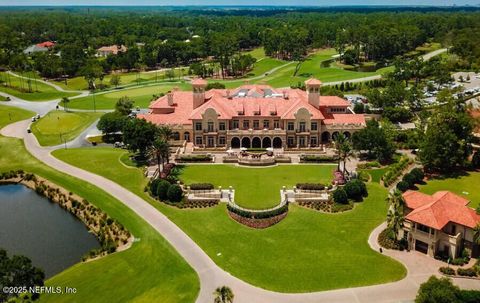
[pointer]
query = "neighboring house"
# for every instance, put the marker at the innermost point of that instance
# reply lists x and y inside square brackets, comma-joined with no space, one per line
[40,47]
[104,51]
[440,224]
[254,116]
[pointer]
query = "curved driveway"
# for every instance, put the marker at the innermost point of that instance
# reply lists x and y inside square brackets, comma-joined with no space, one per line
[211,276]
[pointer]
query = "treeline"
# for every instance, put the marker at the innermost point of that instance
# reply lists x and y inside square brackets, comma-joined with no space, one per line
[171,38]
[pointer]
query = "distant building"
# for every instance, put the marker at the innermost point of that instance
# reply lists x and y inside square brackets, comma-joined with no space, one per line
[254,116]
[104,51]
[40,47]
[439,224]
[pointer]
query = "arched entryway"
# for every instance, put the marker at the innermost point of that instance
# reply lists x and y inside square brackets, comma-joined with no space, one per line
[347,135]
[186,136]
[235,143]
[335,135]
[256,142]
[277,142]
[176,136]
[246,142]
[325,137]
[266,142]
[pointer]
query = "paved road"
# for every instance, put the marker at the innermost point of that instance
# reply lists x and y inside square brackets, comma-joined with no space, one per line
[211,276]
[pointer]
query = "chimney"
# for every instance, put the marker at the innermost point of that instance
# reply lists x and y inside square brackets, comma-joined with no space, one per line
[228,94]
[312,86]
[198,86]
[170,98]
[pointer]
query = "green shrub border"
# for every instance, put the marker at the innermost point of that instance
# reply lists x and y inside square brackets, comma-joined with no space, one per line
[258,214]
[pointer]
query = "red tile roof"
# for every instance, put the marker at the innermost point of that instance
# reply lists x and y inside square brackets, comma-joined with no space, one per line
[246,101]
[47,44]
[313,81]
[440,208]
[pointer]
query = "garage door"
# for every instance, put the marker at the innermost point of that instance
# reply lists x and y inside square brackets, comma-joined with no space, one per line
[421,246]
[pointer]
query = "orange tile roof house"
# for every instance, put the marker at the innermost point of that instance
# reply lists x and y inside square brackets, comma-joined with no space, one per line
[254,116]
[439,224]
[104,51]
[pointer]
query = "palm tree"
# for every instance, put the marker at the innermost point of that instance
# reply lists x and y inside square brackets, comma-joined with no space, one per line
[223,295]
[395,216]
[476,234]
[344,150]
[65,101]
[157,152]
[165,132]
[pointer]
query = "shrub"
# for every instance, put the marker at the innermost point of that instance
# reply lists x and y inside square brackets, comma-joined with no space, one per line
[395,170]
[458,261]
[476,160]
[410,179]
[310,186]
[154,186]
[195,158]
[467,272]
[371,164]
[447,271]
[340,196]
[317,159]
[355,189]
[175,193]
[403,186]
[162,189]
[418,174]
[201,186]
[258,215]
[469,296]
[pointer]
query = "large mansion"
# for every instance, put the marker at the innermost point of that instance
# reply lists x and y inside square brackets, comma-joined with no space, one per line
[254,116]
[439,224]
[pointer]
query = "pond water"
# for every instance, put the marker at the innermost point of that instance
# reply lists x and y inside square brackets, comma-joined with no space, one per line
[32,226]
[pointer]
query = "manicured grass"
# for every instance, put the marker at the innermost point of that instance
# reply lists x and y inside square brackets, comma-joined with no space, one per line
[265,65]
[257,188]
[79,83]
[308,251]
[376,173]
[257,53]
[9,114]
[151,270]
[36,91]
[56,127]
[142,96]
[466,186]
[2,98]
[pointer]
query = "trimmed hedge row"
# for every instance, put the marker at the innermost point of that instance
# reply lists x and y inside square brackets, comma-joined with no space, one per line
[395,170]
[447,271]
[409,180]
[195,158]
[310,186]
[467,272]
[372,164]
[318,158]
[201,186]
[258,215]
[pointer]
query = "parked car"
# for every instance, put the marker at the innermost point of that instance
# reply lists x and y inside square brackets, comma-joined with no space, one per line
[34,119]
[29,130]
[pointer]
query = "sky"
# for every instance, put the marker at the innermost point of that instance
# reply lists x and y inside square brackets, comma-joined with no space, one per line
[240,2]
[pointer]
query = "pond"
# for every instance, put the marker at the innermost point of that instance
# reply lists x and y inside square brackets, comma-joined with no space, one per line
[32,226]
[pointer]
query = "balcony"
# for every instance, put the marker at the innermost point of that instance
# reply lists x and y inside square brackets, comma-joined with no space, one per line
[212,131]
[302,131]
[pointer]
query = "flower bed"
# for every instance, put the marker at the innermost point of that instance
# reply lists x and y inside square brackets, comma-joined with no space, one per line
[325,206]
[167,169]
[257,223]
[385,240]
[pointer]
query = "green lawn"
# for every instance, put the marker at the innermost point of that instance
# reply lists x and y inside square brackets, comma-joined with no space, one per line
[9,114]
[57,127]
[79,83]
[376,173]
[466,186]
[141,95]
[265,65]
[35,91]
[257,53]
[308,251]
[257,188]
[151,270]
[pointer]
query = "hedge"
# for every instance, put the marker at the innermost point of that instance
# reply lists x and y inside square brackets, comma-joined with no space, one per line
[162,189]
[467,272]
[356,190]
[175,193]
[395,170]
[310,186]
[195,158]
[201,186]
[447,271]
[367,165]
[340,196]
[258,215]
[317,159]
